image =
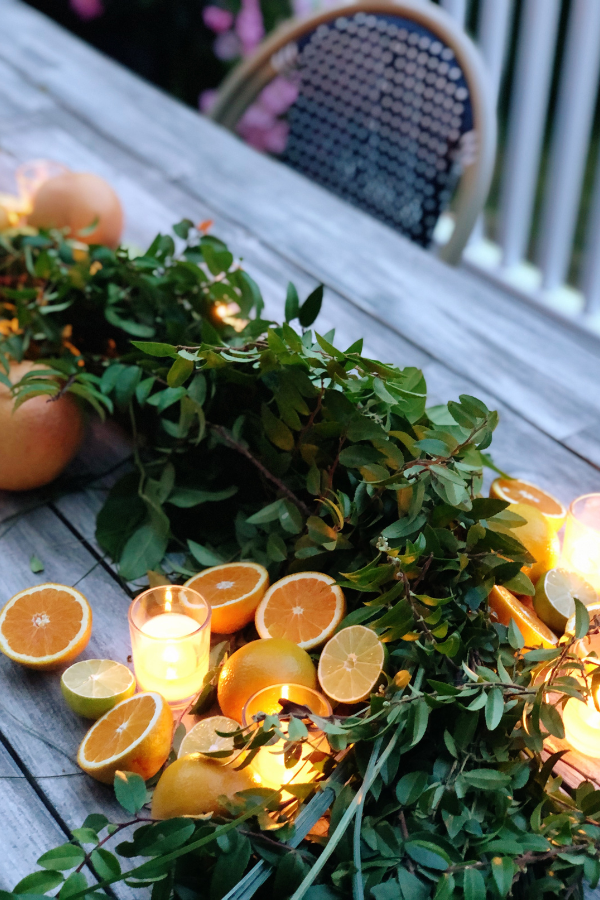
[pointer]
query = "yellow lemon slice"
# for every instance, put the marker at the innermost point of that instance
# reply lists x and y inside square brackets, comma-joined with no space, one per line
[93,686]
[203,737]
[350,664]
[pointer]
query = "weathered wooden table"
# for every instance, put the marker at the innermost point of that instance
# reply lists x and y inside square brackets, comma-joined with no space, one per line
[59,99]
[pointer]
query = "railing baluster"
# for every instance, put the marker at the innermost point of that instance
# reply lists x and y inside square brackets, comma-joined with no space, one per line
[457,9]
[590,280]
[531,89]
[492,34]
[570,141]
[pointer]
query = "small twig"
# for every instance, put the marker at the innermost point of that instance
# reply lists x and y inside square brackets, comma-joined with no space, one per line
[424,571]
[310,421]
[70,380]
[120,827]
[281,486]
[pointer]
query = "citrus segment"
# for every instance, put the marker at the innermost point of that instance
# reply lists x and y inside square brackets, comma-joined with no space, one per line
[233,591]
[505,606]
[260,664]
[514,490]
[45,626]
[203,737]
[350,664]
[305,608]
[135,736]
[555,595]
[193,786]
[93,686]
[539,537]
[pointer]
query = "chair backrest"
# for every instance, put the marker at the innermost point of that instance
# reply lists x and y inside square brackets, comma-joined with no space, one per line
[389,107]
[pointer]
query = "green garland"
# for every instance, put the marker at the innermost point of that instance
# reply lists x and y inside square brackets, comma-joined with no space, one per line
[305,456]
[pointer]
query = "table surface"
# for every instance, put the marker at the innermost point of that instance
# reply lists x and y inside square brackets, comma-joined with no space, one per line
[60,99]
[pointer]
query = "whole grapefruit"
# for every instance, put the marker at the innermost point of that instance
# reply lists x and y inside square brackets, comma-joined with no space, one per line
[39,438]
[75,200]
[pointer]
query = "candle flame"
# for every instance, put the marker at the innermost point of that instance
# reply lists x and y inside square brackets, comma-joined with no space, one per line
[285,692]
[168,599]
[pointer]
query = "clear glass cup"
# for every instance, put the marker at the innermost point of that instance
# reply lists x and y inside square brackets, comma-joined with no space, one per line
[581,545]
[269,762]
[170,641]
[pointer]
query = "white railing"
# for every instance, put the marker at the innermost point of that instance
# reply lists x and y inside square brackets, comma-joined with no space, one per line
[537,237]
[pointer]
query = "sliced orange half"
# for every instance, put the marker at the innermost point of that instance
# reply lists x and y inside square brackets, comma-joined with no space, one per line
[134,736]
[305,608]
[514,490]
[504,606]
[350,664]
[233,591]
[45,626]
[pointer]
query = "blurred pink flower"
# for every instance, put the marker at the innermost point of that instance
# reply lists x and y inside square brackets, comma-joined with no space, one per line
[249,26]
[207,99]
[260,126]
[87,9]
[217,19]
[227,46]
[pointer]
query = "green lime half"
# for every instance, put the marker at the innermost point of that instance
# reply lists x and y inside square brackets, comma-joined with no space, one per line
[555,595]
[93,686]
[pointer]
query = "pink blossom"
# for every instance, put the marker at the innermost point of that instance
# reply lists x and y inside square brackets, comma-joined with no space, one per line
[278,96]
[249,26]
[227,46]
[206,100]
[87,9]
[260,126]
[217,19]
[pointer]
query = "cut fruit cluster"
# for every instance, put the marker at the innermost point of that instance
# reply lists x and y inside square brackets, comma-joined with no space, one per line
[504,606]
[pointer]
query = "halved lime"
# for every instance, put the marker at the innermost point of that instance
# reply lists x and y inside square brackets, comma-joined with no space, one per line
[93,686]
[203,737]
[555,595]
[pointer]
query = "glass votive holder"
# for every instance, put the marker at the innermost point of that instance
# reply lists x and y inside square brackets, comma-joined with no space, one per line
[581,545]
[582,726]
[30,176]
[269,763]
[170,641]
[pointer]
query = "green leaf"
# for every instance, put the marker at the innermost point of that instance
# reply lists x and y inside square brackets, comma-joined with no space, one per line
[130,326]
[311,307]
[185,498]
[494,708]
[515,638]
[155,348]
[204,555]
[474,885]
[179,372]
[38,883]
[292,303]
[503,871]
[75,882]
[145,548]
[427,854]
[276,430]
[62,858]
[130,791]
[410,787]
[486,779]
[266,514]
[105,863]
[582,619]
[552,720]
[590,805]
[35,564]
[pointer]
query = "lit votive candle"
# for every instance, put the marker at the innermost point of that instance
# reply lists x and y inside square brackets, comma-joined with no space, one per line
[269,763]
[582,726]
[581,546]
[170,640]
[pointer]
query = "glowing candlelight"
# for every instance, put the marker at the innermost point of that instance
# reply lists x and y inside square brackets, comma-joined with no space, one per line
[170,639]
[582,726]
[581,546]
[269,762]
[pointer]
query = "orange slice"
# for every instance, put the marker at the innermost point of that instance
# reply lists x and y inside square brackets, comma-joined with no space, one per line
[350,664]
[45,626]
[233,591]
[505,606]
[514,490]
[305,608]
[135,735]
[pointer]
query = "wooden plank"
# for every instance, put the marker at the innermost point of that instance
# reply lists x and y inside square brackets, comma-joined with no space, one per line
[546,373]
[27,828]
